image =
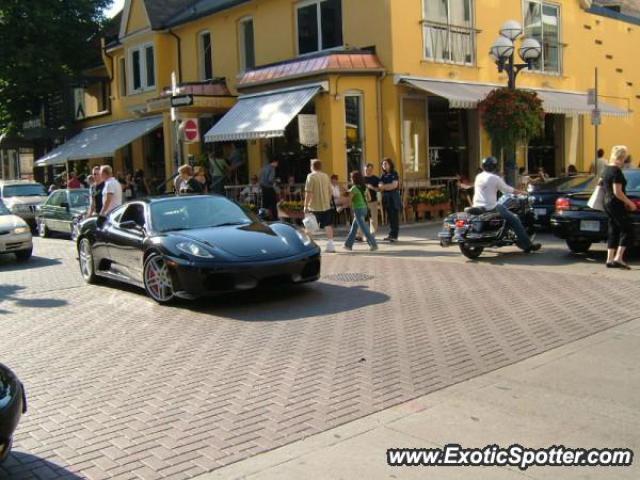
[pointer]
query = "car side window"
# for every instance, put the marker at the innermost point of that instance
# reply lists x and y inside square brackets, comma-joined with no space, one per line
[135,213]
[116,215]
[56,199]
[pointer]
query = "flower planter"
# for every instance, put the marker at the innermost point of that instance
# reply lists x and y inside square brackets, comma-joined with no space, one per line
[424,210]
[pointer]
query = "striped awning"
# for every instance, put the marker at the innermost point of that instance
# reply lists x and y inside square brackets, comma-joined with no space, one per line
[467,95]
[262,115]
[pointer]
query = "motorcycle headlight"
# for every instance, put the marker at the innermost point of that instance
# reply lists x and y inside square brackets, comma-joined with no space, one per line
[194,249]
[304,238]
[20,230]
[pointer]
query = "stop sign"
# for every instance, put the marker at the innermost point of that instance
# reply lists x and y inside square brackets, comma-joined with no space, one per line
[191,130]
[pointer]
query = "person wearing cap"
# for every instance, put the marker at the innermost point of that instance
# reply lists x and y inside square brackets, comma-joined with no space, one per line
[487,185]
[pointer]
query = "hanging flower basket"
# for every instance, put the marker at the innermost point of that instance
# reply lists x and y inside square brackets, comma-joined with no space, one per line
[511,116]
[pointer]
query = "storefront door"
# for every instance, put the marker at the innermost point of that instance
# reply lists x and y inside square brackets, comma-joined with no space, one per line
[546,151]
[448,140]
[414,139]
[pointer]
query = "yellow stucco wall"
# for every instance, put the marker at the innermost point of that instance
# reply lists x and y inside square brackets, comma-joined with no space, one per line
[394,28]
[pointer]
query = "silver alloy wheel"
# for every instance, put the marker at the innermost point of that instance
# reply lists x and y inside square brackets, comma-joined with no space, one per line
[42,228]
[86,259]
[157,280]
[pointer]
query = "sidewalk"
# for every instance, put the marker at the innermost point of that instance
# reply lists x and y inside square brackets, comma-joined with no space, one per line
[584,394]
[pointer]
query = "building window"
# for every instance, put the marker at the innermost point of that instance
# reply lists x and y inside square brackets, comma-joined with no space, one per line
[122,87]
[247,47]
[319,25]
[205,55]
[142,67]
[542,22]
[354,131]
[449,33]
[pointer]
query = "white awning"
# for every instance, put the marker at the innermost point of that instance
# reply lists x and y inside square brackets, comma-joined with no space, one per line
[101,141]
[263,115]
[468,95]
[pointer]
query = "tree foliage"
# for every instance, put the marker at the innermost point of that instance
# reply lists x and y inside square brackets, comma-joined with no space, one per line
[44,44]
[511,116]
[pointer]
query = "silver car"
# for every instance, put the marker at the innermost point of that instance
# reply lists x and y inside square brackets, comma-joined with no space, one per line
[22,198]
[15,235]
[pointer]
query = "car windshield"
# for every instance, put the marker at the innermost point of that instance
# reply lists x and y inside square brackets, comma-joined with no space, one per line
[186,213]
[79,198]
[633,180]
[566,184]
[28,190]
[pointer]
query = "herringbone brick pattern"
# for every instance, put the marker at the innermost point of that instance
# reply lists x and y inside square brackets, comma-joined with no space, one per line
[122,388]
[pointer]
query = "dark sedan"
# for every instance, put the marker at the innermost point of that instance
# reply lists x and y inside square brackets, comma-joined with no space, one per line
[581,226]
[188,247]
[61,211]
[13,403]
[544,195]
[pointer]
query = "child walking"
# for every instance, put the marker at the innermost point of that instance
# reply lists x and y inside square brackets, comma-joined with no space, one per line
[360,209]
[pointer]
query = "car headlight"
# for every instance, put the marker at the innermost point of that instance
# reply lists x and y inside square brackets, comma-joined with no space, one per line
[20,230]
[194,249]
[304,238]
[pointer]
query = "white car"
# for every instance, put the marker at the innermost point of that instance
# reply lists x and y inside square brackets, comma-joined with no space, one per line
[15,235]
[23,198]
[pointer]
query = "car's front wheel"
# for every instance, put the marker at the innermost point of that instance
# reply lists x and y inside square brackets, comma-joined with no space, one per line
[85,259]
[24,255]
[578,247]
[157,279]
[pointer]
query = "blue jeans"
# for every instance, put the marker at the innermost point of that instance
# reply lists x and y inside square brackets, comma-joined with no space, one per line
[523,242]
[360,214]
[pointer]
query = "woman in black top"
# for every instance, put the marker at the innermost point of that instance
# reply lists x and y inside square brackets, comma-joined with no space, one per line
[616,206]
[391,202]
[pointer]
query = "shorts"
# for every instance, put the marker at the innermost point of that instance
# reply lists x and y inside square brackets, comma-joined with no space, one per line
[325,219]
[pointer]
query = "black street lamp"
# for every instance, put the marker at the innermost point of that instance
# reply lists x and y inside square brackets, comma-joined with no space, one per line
[503,52]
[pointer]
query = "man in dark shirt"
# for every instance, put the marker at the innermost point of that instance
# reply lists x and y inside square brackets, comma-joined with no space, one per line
[95,190]
[267,184]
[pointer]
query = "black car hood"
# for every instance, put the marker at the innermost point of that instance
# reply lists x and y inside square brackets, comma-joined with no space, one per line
[245,241]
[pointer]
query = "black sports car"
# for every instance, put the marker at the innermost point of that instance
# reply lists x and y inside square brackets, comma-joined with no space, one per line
[13,403]
[581,226]
[193,246]
[544,195]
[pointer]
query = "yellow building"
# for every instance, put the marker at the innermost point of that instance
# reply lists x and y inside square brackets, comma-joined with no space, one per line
[351,82]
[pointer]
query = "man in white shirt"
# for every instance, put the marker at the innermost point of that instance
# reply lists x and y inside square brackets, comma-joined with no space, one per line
[487,185]
[112,191]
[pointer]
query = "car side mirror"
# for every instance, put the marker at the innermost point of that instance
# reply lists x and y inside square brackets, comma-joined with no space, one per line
[65,205]
[264,215]
[130,225]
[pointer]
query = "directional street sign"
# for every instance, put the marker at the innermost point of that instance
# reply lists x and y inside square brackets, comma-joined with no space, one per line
[182,101]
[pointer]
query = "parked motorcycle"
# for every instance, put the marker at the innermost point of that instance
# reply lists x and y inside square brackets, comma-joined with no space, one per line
[476,228]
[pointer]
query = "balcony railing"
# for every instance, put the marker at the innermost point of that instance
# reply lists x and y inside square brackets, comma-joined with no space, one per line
[449,43]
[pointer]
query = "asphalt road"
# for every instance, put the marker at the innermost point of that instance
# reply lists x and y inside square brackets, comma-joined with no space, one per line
[120,387]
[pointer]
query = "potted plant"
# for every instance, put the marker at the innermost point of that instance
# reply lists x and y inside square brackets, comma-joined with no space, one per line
[433,202]
[291,209]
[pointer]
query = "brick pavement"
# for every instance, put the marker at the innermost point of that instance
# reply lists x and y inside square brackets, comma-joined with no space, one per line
[122,388]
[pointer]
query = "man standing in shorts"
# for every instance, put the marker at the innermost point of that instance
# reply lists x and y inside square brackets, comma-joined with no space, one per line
[317,200]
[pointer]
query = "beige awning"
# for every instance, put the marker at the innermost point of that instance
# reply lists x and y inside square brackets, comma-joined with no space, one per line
[468,95]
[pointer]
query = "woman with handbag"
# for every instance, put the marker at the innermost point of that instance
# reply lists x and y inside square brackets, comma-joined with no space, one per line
[616,206]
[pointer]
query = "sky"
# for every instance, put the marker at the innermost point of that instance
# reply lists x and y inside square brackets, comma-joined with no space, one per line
[115,8]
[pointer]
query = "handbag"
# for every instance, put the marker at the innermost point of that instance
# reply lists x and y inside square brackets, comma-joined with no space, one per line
[596,201]
[310,223]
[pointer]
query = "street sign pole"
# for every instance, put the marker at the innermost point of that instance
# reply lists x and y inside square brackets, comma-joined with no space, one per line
[596,125]
[176,124]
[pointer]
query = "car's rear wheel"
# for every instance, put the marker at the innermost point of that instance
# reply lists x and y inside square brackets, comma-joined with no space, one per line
[24,255]
[157,280]
[471,252]
[43,231]
[85,259]
[578,246]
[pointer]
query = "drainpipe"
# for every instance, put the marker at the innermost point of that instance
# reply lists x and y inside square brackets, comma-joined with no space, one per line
[381,78]
[178,43]
[110,70]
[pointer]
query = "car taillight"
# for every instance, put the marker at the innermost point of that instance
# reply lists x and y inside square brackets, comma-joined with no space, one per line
[637,202]
[563,204]
[460,223]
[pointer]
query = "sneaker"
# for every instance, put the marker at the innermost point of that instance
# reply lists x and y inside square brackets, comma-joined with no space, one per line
[330,247]
[393,240]
[373,248]
[347,247]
